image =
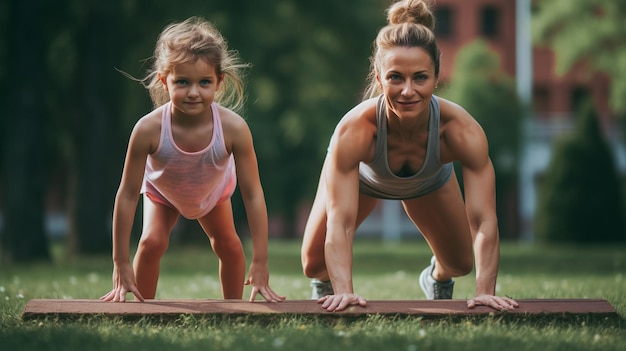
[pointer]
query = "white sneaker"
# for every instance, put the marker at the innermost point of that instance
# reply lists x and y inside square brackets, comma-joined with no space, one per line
[321,289]
[433,289]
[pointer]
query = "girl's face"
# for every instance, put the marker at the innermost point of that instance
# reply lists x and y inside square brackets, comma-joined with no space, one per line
[407,78]
[192,86]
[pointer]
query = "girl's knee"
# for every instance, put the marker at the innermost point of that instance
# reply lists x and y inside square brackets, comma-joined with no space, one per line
[228,247]
[153,244]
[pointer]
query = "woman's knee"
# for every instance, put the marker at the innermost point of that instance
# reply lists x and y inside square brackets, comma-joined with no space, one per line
[312,255]
[457,267]
[313,267]
[465,267]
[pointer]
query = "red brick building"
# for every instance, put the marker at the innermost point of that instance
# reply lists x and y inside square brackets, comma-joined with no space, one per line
[460,22]
[553,98]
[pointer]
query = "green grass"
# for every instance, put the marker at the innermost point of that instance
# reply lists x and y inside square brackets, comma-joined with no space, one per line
[380,272]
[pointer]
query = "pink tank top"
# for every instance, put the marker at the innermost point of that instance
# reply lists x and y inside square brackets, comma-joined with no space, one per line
[193,183]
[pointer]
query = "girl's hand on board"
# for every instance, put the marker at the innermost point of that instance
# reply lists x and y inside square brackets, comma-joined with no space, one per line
[123,283]
[259,278]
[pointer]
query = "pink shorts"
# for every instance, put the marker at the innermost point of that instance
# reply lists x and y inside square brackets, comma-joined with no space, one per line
[154,195]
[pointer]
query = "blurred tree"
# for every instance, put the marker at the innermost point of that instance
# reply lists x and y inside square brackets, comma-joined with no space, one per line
[24,238]
[308,69]
[589,30]
[310,61]
[481,86]
[93,125]
[4,27]
[95,106]
[87,44]
[580,200]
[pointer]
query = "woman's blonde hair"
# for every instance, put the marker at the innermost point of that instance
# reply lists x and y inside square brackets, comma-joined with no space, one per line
[188,41]
[410,24]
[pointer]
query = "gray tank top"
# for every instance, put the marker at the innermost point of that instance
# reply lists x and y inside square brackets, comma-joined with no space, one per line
[377,180]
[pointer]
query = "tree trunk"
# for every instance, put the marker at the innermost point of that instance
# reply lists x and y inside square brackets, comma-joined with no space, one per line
[24,238]
[97,155]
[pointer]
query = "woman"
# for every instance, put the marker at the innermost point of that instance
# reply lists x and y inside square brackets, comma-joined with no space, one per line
[399,143]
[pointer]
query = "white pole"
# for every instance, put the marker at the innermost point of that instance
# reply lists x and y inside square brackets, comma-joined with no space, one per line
[524,58]
[524,79]
[391,217]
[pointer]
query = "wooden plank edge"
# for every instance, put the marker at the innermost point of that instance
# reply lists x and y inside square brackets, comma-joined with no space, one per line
[174,308]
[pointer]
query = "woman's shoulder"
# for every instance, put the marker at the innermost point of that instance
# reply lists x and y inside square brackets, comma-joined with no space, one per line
[366,107]
[454,116]
[460,132]
[449,109]
[355,135]
[361,117]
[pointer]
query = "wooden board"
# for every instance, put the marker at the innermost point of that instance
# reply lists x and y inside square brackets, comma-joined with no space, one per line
[40,308]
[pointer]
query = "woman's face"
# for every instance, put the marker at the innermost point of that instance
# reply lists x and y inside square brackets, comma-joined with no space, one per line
[407,78]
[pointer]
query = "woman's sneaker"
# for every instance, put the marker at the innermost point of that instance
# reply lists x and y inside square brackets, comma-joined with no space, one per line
[321,289]
[433,289]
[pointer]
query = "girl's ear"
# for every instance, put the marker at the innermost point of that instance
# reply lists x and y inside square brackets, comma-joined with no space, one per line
[380,84]
[220,79]
[163,80]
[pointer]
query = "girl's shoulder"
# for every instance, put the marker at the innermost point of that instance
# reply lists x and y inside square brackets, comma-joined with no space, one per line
[147,131]
[151,122]
[237,134]
[231,120]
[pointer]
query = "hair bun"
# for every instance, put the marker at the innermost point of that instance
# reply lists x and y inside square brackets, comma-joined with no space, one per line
[411,11]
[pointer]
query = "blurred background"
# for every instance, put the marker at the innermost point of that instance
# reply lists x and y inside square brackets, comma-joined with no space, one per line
[545,78]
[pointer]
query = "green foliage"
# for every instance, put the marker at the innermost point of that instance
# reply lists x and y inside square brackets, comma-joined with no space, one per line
[309,63]
[480,85]
[580,200]
[23,136]
[4,11]
[589,30]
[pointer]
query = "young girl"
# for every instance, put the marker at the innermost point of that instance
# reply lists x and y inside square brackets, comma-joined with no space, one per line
[186,157]
[399,143]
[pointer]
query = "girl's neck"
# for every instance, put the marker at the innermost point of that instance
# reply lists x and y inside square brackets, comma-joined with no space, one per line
[183,120]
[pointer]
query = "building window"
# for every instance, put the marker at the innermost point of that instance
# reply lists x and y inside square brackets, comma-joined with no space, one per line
[443,22]
[541,101]
[490,21]
[578,95]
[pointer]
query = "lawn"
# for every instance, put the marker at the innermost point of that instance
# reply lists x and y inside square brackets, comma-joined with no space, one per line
[381,271]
